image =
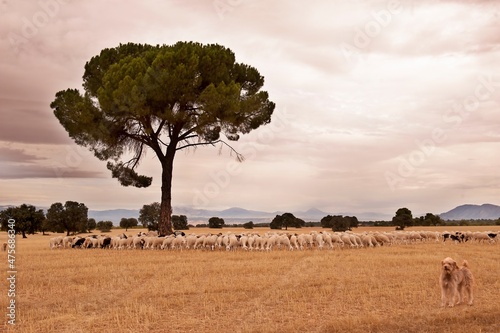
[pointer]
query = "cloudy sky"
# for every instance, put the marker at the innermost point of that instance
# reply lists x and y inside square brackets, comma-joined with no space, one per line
[379,104]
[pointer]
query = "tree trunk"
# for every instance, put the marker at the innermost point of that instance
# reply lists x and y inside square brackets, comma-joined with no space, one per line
[165,223]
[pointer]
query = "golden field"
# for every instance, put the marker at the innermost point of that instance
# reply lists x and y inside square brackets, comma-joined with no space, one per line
[384,289]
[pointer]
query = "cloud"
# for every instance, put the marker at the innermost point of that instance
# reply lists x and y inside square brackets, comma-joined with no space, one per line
[342,121]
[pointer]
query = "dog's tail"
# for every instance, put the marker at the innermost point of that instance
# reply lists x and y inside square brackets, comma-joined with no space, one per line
[465,263]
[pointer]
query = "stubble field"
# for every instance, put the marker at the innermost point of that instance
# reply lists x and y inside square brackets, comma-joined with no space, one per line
[384,289]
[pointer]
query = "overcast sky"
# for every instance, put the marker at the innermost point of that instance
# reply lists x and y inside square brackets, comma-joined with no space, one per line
[379,104]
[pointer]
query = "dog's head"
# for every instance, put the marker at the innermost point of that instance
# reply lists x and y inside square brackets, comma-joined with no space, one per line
[449,265]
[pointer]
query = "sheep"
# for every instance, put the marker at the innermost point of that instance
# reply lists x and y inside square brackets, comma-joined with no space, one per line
[178,242]
[123,243]
[157,242]
[210,242]
[346,239]
[55,242]
[87,243]
[67,241]
[137,242]
[78,242]
[251,241]
[167,242]
[106,243]
[271,241]
[368,240]
[234,242]
[294,242]
[190,241]
[285,240]
[481,237]
[381,239]
[320,241]
[355,240]
[199,241]
[244,242]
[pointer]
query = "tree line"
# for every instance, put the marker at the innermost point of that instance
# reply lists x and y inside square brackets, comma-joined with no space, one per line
[72,218]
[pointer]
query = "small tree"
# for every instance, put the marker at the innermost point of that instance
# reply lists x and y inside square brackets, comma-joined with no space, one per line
[128,223]
[91,224]
[149,215]
[180,222]
[248,225]
[104,226]
[403,218]
[216,223]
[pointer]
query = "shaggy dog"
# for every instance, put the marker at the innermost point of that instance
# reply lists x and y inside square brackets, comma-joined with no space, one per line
[456,283]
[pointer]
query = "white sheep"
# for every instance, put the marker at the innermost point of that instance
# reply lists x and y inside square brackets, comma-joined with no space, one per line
[55,242]
[178,242]
[167,242]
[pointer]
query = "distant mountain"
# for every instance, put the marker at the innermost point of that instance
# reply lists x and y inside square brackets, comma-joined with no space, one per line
[113,215]
[475,212]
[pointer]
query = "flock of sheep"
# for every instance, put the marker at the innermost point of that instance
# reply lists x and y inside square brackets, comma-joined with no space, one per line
[266,242]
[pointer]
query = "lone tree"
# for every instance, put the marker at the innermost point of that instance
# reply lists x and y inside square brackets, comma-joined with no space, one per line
[165,98]
[128,223]
[286,220]
[216,222]
[403,218]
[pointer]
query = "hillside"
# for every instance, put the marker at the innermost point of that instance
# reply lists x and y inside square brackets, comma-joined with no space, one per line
[475,212]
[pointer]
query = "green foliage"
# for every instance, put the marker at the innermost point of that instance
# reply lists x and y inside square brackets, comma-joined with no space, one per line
[428,220]
[165,98]
[104,226]
[286,220]
[403,218]
[72,217]
[248,225]
[128,223]
[149,216]
[91,225]
[180,222]
[339,222]
[27,219]
[215,222]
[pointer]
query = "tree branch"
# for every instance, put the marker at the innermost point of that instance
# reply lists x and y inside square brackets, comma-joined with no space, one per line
[239,157]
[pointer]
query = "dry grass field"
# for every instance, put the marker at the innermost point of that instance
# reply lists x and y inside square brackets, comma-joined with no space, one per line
[384,289]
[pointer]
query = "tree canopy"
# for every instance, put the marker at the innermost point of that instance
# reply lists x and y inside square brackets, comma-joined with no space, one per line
[180,222]
[149,215]
[128,222]
[216,222]
[286,220]
[165,98]
[339,222]
[403,218]
[70,217]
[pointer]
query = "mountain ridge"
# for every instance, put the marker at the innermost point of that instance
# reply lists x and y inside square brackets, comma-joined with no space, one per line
[472,212]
